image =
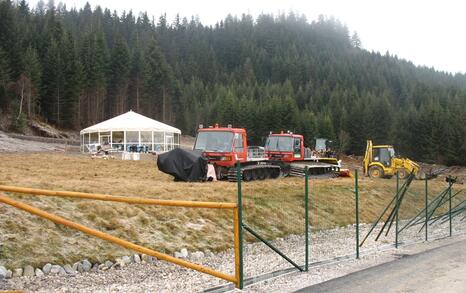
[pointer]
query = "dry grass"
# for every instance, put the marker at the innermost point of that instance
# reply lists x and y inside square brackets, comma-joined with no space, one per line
[274,207]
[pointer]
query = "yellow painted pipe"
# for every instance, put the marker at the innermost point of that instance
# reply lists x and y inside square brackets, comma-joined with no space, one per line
[236,246]
[126,244]
[125,199]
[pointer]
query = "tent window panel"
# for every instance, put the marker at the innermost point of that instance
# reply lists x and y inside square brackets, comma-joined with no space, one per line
[146,141]
[86,138]
[132,137]
[118,138]
[146,137]
[94,137]
[177,139]
[158,138]
[158,147]
[170,141]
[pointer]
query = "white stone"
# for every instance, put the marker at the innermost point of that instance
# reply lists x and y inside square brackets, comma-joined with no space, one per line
[126,259]
[119,263]
[28,271]
[144,257]
[3,272]
[80,268]
[57,270]
[197,255]
[102,267]
[18,272]
[184,252]
[46,269]
[148,259]
[69,270]
[136,258]
[39,273]
[86,265]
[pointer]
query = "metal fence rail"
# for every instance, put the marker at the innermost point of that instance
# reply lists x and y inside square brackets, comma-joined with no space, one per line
[236,279]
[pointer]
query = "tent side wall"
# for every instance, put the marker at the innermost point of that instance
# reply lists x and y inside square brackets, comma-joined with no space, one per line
[130,140]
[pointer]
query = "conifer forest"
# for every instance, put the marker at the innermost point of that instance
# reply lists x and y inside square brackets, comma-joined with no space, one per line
[76,67]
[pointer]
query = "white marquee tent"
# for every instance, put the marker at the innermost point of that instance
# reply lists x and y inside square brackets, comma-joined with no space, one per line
[131,132]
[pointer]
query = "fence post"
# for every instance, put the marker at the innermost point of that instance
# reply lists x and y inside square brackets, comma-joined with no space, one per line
[396,215]
[306,217]
[356,191]
[426,206]
[240,222]
[449,206]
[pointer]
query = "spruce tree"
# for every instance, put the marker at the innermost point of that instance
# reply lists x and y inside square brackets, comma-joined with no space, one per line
[4,80]
[33,71]
[118,79]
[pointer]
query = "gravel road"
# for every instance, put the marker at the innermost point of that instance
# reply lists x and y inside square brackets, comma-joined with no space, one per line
[259,259]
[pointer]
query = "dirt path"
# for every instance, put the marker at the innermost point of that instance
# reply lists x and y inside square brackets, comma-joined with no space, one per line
[10,144]
[438,269]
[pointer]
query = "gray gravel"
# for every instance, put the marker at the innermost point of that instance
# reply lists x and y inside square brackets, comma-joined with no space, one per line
[161,276]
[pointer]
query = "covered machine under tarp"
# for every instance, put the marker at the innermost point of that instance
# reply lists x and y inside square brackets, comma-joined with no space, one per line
[183,165]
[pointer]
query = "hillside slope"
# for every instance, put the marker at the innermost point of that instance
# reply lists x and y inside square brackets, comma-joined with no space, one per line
[271,73]
[273,207]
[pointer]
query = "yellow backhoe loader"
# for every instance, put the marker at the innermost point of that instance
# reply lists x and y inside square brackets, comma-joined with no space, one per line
[380,162]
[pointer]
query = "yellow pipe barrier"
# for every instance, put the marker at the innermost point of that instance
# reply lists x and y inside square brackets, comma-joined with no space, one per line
[125,199]
[236,245]
[126,244]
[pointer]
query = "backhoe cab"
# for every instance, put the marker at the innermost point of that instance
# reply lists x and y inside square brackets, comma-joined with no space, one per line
[380,162]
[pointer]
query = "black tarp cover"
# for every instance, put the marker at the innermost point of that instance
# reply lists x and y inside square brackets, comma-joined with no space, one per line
[183,165]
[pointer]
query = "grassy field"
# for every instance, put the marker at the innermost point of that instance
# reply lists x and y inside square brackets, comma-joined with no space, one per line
[274,207]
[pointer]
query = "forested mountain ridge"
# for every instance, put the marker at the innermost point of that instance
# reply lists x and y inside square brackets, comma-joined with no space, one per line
[78,67]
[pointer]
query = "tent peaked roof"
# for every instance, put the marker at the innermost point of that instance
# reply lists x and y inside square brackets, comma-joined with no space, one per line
[130,121]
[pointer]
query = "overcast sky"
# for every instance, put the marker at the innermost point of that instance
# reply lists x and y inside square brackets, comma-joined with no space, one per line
[430,33]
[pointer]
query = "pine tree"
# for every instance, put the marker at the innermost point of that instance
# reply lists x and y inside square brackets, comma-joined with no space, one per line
[10,38]
[136,79]
[52,89]
[72,82]
[4,80]
[118,79]
[158,84]
[33,71]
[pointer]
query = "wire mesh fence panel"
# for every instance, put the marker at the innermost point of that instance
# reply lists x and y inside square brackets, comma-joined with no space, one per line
[425,215]
[378,200]
[273,226]
[412,211]
[332,218]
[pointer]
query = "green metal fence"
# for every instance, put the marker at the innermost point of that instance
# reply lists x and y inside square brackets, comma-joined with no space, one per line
[414,206]
[418,212]
[301,265]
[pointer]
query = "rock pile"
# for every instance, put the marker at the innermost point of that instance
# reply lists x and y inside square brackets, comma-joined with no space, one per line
[85,266]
